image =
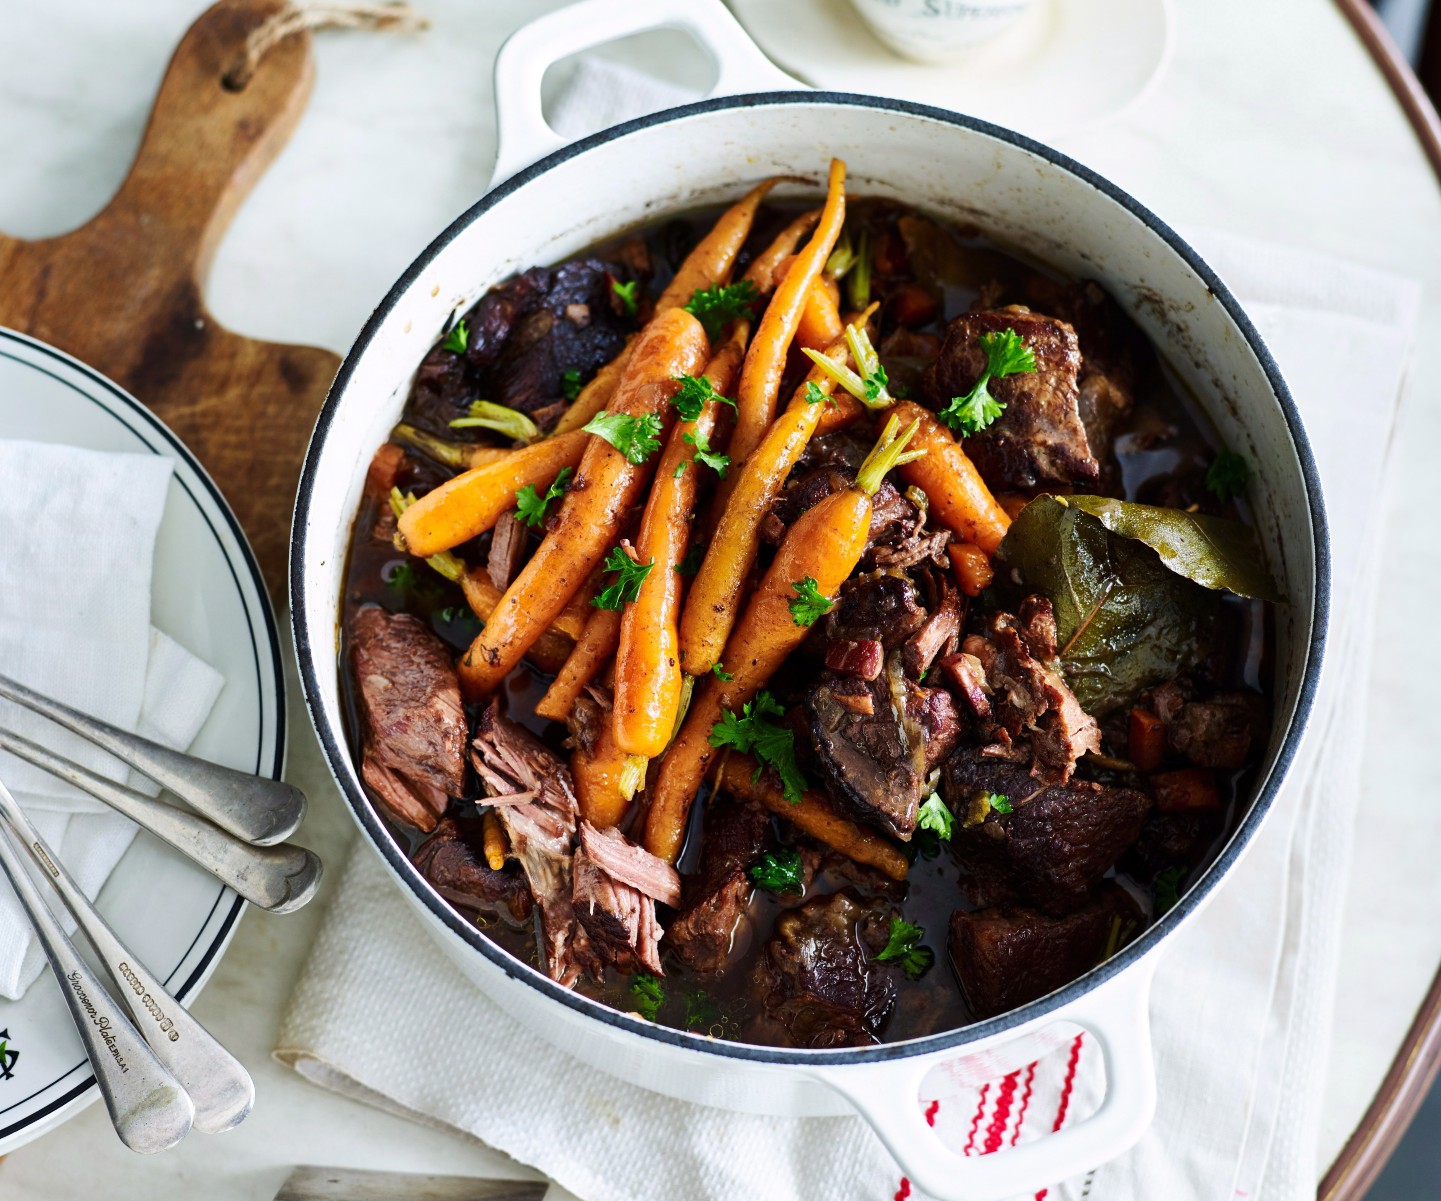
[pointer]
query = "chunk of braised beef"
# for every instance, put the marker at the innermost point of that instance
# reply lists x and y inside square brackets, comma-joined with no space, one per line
[619,921]
[1039,438]
[413,725]
[882,606]
[1170,840]
[872,754]
[1055,845]
[863,657]
[1008,956]
[508,543]
[523,335]
[587,718]
[937,636]
[966,678]
[934,712]
[1030,701]
[453,861]
[1218,732]
[709,926]
[1109,345]
[817,979]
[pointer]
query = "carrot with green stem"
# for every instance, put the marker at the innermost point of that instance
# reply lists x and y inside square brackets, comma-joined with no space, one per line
[766,359]
[744,499]
[959,498]
[817,555]
[613,472]
[471,503]
[647,664]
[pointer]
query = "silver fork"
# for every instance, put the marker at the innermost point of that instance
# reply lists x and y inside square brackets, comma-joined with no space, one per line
[219,1088]
[276,878]
[253,808]
[148,1108]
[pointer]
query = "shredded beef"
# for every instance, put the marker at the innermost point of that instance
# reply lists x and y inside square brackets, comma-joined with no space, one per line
[459,872]
[717,897]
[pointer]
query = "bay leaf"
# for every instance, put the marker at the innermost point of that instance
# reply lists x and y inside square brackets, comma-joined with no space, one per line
[1213,551]
[1125,621]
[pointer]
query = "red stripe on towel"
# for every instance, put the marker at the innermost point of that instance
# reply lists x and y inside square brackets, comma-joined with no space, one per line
[1025,1101]
[1068,1083]
[996,1131]
[976,1121]
[904,1191]
[931,1110]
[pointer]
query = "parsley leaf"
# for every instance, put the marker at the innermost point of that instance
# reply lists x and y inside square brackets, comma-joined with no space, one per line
[1000,802]
[630,575]
[647,994]
[935,816]
[679,470]
[813,393]
[809,605]
[716,306]
[903,948]
[753,732]
[1167,889]
[694,394]
[530,507]
[627,295]
[1005,355]
[876,383]
[458,338]
[402,578]
[704,454]
[689,565]
[570,384]
[635,437]
[778,871]
[701,1009]
[1227,476]
[718,670]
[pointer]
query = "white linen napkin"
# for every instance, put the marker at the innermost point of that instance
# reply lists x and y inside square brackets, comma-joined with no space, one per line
[77,544]
[1243,996]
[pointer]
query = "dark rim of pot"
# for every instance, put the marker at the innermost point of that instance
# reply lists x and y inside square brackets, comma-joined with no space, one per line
[340,760]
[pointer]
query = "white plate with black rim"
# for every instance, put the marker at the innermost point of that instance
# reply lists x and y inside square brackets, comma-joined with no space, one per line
[210,597]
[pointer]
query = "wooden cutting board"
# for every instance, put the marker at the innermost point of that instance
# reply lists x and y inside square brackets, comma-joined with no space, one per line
[125,292]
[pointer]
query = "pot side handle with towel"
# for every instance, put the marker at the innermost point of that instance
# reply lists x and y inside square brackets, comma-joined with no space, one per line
[885,1094]
[1115,1015]
[522,135]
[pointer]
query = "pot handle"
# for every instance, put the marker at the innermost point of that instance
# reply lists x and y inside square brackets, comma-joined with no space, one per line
[522,135]
[1116,1015]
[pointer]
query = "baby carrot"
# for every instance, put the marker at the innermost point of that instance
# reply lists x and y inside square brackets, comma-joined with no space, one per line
[824,545]
[762,271]
[647,663]
[473,501]
[959,498]
[820,323]
[766,358]
[607,484]
[710,262]
[605,780]
[593,649]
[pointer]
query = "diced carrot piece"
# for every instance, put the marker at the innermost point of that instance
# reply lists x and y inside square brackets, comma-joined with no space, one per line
[1147,745]
[912,305]
[1186,790]
[972,567]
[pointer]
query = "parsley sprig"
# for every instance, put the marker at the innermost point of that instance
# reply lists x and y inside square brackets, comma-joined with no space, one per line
[754,732]
[571,384]
[778,871]
[704,454]
[903,948]
[720,304]
[934,815]
[457,339]
[630,575]
[1227,476]
[1005,355]
[637,438]
[1000,802]
[810,605]
[695,392]
[815,396]
[530,507]
[627,295]
[718,670]
[647,994]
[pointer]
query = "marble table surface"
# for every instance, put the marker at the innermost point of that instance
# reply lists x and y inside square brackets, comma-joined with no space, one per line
[1271,121]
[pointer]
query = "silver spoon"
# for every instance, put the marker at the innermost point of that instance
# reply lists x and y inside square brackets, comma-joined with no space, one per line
[149,1109]
[219,1088]
[254,808]
[276,878]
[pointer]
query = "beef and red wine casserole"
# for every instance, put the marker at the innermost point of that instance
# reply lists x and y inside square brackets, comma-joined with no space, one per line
[809,627]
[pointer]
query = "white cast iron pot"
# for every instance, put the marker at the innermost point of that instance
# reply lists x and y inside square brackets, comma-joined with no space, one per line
[1021,194]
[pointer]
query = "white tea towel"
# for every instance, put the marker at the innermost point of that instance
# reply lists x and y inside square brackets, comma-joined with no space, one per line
[1241,1008]
[77,543]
